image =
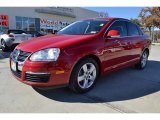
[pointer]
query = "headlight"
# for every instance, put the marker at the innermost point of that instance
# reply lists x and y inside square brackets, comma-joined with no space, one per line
[50,54]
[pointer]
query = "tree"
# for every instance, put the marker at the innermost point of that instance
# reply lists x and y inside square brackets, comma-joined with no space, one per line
[136,21]
[155,11]
[150,17]
[103,14]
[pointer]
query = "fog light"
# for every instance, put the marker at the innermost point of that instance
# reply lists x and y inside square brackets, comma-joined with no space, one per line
[37,76]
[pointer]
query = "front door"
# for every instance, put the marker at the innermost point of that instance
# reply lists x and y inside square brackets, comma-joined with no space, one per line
[116,49]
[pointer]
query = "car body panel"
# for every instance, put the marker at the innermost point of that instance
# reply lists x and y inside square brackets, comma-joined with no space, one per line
[111,53]
[50,41]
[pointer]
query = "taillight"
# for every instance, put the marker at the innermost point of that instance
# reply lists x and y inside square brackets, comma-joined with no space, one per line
[10,35]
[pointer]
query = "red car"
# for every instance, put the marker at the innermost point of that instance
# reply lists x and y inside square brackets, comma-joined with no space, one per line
[78,54]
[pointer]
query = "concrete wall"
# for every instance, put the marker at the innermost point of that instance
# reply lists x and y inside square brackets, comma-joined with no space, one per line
[30,12]
[82,13]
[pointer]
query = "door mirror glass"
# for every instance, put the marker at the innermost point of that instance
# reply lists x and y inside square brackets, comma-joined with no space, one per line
[113,33]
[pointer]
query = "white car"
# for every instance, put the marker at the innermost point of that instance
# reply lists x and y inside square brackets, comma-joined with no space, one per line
[12,37]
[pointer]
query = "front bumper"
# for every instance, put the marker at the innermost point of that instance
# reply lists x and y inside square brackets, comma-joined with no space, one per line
[42,74]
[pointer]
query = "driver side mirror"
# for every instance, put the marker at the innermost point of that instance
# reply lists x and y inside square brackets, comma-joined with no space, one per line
[112,34]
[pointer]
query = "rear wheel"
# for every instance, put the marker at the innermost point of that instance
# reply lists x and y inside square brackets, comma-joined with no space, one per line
[143,61]
[84,75]
[4,47]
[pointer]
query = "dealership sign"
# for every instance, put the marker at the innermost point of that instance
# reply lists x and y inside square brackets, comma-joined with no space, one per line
[52,24]
[47,24]
[63,11]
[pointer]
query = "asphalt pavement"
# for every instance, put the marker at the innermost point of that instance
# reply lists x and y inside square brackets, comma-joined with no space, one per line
[125,91]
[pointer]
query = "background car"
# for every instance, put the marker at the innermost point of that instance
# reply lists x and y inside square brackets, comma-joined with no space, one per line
[35,33]
[11,37]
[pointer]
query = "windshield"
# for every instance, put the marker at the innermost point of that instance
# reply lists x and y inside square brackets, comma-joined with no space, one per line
[84,27]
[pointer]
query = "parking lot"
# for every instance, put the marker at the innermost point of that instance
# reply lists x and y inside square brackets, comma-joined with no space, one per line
[124,91]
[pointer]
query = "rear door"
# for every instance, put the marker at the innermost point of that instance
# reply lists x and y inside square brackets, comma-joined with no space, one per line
[117,49]
[135,37]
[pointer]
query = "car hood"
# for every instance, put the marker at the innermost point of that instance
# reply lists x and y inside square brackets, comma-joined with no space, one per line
[51,41]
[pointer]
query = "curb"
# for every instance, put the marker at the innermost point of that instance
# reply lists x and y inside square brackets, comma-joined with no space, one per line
[155,43]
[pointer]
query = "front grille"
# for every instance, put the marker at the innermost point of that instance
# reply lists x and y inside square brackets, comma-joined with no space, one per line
[17,73]
[37,77]
[20,56]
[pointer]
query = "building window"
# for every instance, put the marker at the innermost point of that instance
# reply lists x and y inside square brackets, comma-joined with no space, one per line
[25,23]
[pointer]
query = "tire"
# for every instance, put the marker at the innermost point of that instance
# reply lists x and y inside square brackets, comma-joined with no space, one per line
[4,47]
[143,61]
[84,75]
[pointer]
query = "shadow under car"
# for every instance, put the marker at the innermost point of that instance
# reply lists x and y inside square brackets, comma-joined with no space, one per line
[122,85]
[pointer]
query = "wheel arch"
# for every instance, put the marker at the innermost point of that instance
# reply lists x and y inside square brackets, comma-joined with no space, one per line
[89,56]
[146,49]
[74,85]
[96,59]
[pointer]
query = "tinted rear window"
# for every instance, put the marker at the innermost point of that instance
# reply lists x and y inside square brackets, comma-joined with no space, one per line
[132,29]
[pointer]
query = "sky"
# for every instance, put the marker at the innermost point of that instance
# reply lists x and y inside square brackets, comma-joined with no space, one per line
[122,12]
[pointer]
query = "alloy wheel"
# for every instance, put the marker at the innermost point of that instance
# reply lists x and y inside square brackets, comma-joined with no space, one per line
[87,75]
[144,59]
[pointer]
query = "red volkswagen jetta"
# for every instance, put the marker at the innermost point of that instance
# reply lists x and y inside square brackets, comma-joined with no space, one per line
[79,53]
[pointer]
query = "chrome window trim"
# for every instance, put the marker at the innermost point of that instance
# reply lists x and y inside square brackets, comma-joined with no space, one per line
[126,26]
[124,37]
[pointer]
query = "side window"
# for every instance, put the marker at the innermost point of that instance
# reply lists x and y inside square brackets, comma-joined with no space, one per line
[120,26]
[140,31]
[132,29]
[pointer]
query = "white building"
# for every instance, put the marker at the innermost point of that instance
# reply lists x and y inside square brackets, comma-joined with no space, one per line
[41,19]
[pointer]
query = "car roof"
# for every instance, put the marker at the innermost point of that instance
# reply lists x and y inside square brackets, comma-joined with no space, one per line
[105,18]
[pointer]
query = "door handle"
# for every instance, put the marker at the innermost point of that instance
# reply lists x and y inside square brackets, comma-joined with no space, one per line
[116,41]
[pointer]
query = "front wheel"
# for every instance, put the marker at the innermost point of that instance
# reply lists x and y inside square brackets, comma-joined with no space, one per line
[143,61]
[4,47]
[84,75]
